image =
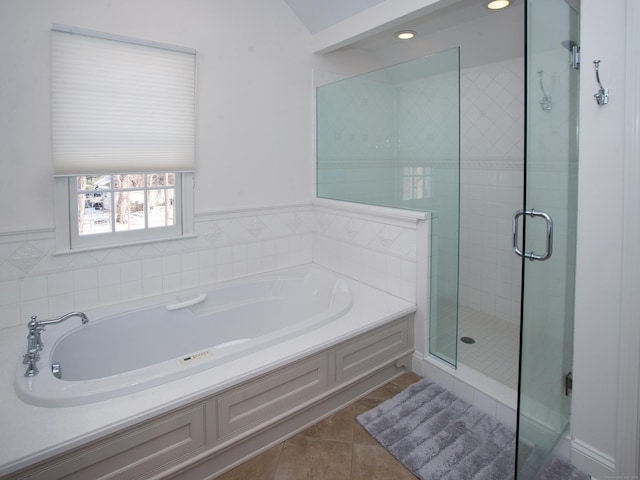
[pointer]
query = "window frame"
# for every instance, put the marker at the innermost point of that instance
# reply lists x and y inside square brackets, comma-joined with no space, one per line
[68,239]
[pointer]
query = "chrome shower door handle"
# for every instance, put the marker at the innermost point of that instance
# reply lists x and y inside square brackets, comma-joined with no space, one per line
[549,236]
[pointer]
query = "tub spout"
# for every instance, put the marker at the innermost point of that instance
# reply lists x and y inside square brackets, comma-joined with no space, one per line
[82,316]
[34,341]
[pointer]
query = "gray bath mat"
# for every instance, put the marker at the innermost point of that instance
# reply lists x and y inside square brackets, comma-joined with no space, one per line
[437,436]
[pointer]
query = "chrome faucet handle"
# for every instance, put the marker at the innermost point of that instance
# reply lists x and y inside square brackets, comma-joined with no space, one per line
[34,339]
[31,358]
[34,342]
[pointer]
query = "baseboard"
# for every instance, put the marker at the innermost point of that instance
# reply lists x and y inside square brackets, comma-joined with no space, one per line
[592,461]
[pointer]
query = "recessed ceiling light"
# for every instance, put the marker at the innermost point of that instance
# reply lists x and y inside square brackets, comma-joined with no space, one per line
[497,4]
[405,34]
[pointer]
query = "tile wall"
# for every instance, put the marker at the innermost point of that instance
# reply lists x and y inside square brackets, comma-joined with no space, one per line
[35,281]
[491,149]
[377,251]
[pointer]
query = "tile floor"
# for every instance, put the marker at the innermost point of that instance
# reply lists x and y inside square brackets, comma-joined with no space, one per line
[495,352]
[336,448]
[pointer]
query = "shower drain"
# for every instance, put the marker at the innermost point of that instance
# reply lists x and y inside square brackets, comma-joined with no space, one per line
[468,340]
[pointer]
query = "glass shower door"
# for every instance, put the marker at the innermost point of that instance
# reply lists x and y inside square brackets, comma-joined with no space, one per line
[545,230]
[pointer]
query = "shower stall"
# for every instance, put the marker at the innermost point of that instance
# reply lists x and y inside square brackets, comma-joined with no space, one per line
[391,138]
[490,151]
[435,136]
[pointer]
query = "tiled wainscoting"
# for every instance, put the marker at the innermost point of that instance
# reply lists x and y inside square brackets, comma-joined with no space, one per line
[34,280]
[379,251]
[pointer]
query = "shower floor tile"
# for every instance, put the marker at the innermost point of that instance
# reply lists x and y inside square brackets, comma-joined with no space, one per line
[496,349]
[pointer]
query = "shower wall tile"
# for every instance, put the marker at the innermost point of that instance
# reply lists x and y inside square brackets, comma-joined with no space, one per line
[228,245]
[492,156]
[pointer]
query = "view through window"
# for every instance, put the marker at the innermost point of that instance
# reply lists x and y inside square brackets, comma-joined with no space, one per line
[124,202]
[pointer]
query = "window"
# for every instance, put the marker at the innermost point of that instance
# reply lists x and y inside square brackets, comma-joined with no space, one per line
[123,203]
[123,138]
[416,183]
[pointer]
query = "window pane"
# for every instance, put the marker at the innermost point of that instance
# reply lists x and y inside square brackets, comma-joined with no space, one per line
[161,207]
[161,180]
[134,180]
[129,209]
[94,215]
[94,182]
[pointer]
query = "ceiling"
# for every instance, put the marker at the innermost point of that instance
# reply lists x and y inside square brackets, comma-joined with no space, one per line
[317,15]
[467,15]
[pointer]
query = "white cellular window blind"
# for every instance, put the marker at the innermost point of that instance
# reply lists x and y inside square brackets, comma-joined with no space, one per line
[119,105]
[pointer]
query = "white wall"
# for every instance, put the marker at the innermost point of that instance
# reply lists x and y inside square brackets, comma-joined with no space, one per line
[254,111]
[600,222]
[254,141]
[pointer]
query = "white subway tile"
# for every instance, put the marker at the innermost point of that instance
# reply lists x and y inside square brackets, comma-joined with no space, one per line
[9,292]
[225,272]
[189,279]
[60,283]
[171,265]
[109,275]
[506,415]
[171,282]
[152,285]
[463,390]
[224,255]
[110,294]
[85,278]
[151,267]
[86,299]
[189,261]
[131,271]
[33,288]
[485,403]
[61,304]
[10,316]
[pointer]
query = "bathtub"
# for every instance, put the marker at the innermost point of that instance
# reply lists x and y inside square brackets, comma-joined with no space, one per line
[250,392]
[118,354]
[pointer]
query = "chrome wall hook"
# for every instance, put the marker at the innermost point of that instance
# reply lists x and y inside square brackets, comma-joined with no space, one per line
[602,95]
[546,103]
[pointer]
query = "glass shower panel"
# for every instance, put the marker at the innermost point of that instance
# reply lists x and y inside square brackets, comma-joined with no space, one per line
[391,138]
[551,178]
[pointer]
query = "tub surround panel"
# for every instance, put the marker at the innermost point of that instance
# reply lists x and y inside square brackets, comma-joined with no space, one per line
[246,407]
[138,450]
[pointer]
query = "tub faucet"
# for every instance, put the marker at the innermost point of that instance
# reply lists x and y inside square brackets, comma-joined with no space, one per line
[34,341]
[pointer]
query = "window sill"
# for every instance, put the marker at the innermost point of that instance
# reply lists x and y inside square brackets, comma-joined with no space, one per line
[121,245]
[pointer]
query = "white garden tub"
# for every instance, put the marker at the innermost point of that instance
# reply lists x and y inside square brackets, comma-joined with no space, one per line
[128,352]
